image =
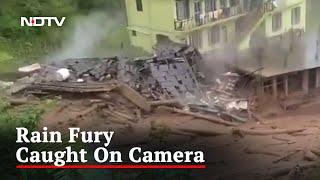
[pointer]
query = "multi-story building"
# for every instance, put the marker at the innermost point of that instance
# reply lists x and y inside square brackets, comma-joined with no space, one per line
[277,18]
[283,47]
[205,24]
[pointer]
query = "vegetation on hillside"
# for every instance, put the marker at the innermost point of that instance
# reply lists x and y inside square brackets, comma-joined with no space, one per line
[24,45]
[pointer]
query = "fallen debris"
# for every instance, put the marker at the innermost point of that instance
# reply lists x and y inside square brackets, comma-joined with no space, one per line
[205,131]
[134,97]
[309,155]
[287,156]
[172,102]
[73,87]
[285,171]
[30,68]
[238,131]
[201,116]
[260,151]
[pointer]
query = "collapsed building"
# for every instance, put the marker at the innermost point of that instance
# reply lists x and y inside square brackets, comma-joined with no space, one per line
[277,51]
[173,73]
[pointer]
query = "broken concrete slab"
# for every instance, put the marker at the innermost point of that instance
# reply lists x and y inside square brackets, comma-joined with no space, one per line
[134,97]
[30,68]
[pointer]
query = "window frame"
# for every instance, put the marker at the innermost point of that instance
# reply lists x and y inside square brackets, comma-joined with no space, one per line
[224,34]
[210,5]
[186,9]
[215,35]
[296,18]
[134,33]
[139,5]
[276,24]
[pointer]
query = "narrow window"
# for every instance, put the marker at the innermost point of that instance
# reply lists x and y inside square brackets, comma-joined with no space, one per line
[134,33]
[197,12]
[224,34]
[233,3]
[214,35]
[196,39]
[210,5]
[182,9]
[224,3]
[295,15]
[276,21]
[139,5]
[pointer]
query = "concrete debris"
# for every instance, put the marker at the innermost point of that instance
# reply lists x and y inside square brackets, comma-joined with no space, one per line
[134,97]
[63,74]
[5,85]
[173,73]
[30,68]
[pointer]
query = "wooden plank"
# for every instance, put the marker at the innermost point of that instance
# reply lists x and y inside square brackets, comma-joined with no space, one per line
[134,97]
[200,116]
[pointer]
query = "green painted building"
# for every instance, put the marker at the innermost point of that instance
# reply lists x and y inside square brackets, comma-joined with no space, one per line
[279,17]
[205,24]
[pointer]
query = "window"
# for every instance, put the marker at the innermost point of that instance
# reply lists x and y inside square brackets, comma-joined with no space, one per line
[214,35]
[210,5]
[182,9]
[295,15]
[139,5]
[134,33]
[196,39]
[197,11]
[224,3]
[276,21]
[233,3]
[224,34]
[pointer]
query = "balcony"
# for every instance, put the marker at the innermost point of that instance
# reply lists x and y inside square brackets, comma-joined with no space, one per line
[207,18]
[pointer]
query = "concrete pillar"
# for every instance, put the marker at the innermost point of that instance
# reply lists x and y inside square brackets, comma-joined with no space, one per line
[286,85]
[260,87]
[317,83]
[305,81]
[274,88]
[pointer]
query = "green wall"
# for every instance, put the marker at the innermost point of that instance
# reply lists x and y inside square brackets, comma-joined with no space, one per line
[286,18]
[158,17]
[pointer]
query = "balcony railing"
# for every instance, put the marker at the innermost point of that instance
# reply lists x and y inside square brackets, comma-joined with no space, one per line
[202,19]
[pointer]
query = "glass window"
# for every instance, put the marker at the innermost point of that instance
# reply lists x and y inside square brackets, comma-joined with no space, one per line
[196,39]
[214,35]
[134,33]
[182,9]
[224,34]
[295,15]
[276,21]
[139,5]
[197,12]
[224,3]
[210,5]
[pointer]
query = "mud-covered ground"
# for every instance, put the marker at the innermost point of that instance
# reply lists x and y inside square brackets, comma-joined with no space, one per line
[228,155]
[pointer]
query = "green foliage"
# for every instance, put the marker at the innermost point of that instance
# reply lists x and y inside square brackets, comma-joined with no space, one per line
[11,117]
[20,45]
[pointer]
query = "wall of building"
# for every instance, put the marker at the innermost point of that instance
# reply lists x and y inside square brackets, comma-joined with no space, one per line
[138,18]
[143,40]
[285,8]
[208,46]
[286,12]
[157,17]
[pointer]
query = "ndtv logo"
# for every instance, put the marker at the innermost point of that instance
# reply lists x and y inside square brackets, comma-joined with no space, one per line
[41,21]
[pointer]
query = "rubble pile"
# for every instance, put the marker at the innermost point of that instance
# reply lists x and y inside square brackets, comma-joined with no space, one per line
[164,76]
[173,73]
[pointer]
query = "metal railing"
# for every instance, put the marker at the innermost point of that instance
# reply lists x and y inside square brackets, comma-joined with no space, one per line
[214,16]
